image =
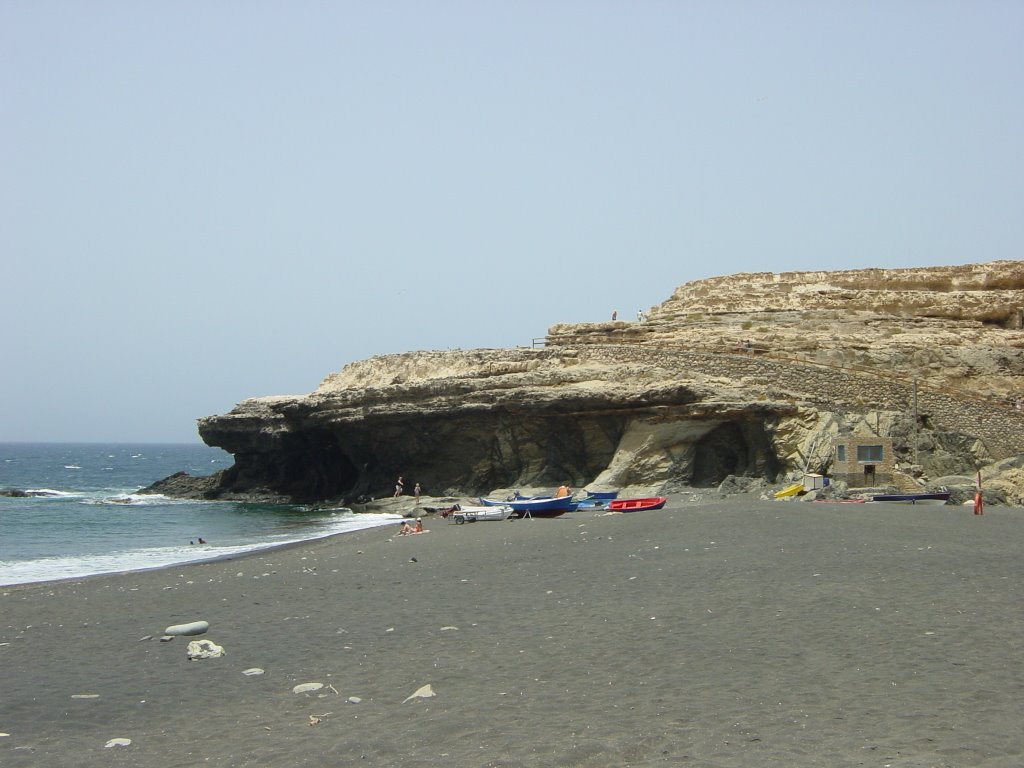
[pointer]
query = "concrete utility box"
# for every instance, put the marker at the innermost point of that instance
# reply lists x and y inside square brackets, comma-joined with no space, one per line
[814,482]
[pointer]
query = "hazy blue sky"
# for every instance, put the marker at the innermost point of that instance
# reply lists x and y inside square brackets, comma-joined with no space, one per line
[202,202]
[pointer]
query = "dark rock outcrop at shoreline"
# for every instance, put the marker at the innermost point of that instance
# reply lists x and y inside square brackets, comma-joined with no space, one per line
[18,493]
[182,485]
[744,376]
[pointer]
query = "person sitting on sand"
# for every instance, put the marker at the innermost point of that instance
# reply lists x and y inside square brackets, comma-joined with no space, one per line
[418,528]
[406,529]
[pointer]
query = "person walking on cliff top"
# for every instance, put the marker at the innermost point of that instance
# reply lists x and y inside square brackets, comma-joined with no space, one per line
[398,487]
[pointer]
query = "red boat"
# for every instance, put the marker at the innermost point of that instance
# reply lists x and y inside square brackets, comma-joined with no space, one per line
[637,505]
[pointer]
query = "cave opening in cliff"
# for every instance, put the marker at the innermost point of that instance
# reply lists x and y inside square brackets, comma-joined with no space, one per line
[314,469]
[740,449]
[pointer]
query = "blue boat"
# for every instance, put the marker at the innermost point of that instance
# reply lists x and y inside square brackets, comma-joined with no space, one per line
[601,495]
[549,507]
[496,502]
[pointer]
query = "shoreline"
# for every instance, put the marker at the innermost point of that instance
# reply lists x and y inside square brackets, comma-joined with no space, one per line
[212,558]
[728,633]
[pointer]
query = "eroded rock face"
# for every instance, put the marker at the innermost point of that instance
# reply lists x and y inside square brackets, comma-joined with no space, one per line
[669,403]
[507,418]
[985,293]
[946,326]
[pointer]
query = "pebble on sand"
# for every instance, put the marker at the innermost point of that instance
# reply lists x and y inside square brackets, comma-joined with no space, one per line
[252,671]
[204,649]
[307,687]
[117,743]
[191,628]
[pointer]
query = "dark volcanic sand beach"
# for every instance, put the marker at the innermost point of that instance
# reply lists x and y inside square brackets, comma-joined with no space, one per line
[735,633]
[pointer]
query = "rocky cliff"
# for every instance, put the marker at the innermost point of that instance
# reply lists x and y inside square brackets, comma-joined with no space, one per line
[741,376]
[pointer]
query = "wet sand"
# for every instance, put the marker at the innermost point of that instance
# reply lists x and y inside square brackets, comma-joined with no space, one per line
[730,633]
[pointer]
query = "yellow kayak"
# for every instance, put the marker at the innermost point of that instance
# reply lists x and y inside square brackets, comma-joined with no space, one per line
[791,490]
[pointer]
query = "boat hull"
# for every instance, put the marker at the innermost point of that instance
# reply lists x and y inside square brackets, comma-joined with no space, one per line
[637,505]
[476,514]
[912,498]
[551,507]
[789,491]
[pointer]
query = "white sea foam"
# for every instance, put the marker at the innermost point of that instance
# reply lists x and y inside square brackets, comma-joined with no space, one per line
[137,499]
[51,568]
[50,492]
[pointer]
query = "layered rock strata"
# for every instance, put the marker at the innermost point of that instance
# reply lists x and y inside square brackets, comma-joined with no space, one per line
[736,376]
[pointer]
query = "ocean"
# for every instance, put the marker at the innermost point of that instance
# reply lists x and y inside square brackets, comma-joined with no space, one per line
[84,517]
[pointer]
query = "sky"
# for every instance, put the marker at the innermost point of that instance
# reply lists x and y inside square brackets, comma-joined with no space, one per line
[206,201]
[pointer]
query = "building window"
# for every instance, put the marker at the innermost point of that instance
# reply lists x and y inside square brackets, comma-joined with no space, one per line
[841,454]
[869,453]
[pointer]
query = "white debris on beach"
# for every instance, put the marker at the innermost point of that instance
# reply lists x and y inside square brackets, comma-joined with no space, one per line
[204,649]
[424,692]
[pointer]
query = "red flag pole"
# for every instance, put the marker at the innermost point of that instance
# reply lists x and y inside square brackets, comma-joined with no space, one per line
[979,504]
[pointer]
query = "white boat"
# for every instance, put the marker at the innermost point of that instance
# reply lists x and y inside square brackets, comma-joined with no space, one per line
[474,514]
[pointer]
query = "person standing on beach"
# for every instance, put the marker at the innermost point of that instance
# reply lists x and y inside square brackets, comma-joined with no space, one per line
[416,491]
[398,487]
